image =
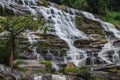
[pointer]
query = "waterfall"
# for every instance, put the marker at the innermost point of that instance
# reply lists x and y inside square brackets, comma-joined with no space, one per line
[108,27]
[64,26]
[38,56]
[58,77]
[31,38]
[37,77]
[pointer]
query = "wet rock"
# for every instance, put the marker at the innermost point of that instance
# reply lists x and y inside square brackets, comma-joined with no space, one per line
[47,77]
[116,43]
[74,77]
[105,75]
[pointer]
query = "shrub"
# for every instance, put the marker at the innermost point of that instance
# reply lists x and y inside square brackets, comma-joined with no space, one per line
[41,71]
[48,65]
[83,71]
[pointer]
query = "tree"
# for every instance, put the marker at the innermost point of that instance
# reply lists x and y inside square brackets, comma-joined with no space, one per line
[4,50]
[17,24]
[80,4]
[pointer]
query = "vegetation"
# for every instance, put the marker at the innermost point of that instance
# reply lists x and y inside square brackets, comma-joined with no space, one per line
[42,71]
[14,25]
[109,9]
[4,51]
[48,65]
[45,3]
[112,17]
[63,51]
[78,4]
[83,71]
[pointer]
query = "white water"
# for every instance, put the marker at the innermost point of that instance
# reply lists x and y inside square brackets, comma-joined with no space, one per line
[106,26]
[65,28]
[108,46]
[37,77]
[58,77]
[31,38]
[38,56]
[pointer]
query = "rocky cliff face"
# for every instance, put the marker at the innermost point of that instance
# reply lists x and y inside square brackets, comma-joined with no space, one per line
[75,39]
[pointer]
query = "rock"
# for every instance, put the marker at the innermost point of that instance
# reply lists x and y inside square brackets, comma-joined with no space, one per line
[70,65]
[40,2]
[116,43]
[31,65]
[105,75]
[62,7]
[74,77]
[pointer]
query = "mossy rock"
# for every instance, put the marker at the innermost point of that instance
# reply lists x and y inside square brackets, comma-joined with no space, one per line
[48,65]
[89,26]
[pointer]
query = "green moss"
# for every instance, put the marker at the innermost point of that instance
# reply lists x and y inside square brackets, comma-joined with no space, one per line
[79,20]
[45,3]
[22,69]
[89,26]
[41,71]
[71,70]
[84,71]
[17,63]
[48,65]
[63,51]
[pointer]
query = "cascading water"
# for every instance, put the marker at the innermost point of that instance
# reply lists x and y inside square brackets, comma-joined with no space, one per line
[64,26]
[58,77]
[37,77]
[108,27]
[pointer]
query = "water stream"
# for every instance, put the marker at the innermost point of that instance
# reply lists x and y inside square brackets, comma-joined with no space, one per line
[64,26]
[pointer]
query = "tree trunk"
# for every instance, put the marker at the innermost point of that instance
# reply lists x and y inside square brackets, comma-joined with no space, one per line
[11,51]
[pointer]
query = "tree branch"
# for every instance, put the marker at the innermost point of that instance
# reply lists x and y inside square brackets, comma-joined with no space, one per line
[20,31]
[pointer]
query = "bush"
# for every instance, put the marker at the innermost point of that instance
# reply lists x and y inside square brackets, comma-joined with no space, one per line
[79,21]
[22,69]
[48,65]
[112,17]
[83,71]
[63,51]
[71,70]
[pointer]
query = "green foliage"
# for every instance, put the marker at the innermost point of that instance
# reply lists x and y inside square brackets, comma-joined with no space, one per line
[14,24]
[45,3]
[112,17]
[48,65]
[17,63]
[83,71]
[4,51]
[63,51]
[41,71]
[78,4]
[79,20]
[94,6]
[71,70]
[22,69]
